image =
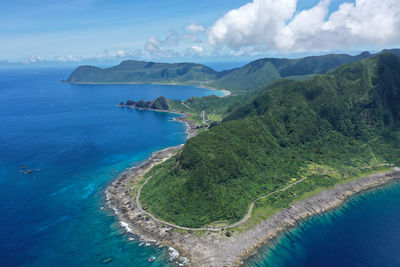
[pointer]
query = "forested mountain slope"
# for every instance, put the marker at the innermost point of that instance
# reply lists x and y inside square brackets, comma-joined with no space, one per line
[143,72]
[261,72]
[242,80]
[327,128]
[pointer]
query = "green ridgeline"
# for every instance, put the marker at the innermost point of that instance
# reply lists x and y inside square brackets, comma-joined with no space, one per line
[248,78]
[327,128]
[131,71]
[264,71]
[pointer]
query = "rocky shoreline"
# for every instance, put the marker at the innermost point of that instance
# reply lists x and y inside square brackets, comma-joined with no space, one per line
[214,248]
[192,127]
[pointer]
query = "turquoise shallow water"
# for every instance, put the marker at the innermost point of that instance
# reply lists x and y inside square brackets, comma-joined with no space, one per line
[80,141]
[365,231]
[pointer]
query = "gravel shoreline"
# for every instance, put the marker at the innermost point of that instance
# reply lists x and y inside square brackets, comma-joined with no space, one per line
[214,248]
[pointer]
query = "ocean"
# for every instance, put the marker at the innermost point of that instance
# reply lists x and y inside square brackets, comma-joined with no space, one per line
[363,232]
[76,141]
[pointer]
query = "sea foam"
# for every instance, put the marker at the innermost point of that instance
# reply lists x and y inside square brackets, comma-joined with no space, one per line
[125,225]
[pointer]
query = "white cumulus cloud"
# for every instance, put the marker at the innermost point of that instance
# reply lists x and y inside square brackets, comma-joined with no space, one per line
[121,53]
[194,28]
[31,59]
[276,25]
[197,49]
[172,39]
[253,23]
[153,44]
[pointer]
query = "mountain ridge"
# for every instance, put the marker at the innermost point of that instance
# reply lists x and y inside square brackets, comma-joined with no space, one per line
[327,128]
[247,78]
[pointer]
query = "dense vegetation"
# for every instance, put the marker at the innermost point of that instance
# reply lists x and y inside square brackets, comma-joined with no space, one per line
[143,72]
[160,103]
[326,128]
[213,107]
[250,77]
[263,71]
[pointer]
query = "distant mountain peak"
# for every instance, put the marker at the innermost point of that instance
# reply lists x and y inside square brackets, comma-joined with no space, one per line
[250,77]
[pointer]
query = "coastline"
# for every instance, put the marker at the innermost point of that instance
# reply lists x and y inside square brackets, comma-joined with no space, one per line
[213,248]
[324,201]
[226,92]
[192,127]
[119,199]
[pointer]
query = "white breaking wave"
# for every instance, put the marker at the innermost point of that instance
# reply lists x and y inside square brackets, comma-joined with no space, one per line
[126,227]
[174,255]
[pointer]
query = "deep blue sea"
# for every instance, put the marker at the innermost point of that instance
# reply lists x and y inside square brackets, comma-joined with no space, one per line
[363,232]
[79,140]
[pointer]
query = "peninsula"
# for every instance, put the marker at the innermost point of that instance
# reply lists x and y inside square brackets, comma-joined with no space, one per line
[243,80]
[275,156]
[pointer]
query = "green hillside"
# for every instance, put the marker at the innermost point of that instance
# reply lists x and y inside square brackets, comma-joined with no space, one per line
[328,128]
[143,72]
[209,104]
[261,72]
[250,77]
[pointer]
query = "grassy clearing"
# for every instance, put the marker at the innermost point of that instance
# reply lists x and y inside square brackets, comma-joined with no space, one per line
[214,117]
[326,129]
[263,210]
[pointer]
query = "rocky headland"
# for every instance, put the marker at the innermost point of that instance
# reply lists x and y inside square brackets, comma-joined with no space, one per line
[212,248]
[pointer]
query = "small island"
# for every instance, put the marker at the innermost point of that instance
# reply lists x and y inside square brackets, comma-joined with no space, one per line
[160,103]
[292,150]
[251,133]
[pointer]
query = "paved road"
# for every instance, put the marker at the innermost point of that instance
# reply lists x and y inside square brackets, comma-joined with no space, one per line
[185,105]
[243,220]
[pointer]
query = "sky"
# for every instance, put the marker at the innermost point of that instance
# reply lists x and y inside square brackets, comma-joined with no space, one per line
[33,31]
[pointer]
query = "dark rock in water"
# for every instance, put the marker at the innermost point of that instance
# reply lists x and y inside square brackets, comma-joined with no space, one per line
[130,103]
[160,103]
[106,260]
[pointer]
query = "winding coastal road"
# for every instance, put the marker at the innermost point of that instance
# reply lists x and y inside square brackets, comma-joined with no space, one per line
[216,229]
[243,220]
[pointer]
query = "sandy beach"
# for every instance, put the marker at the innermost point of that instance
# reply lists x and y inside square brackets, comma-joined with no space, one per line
[226,92]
